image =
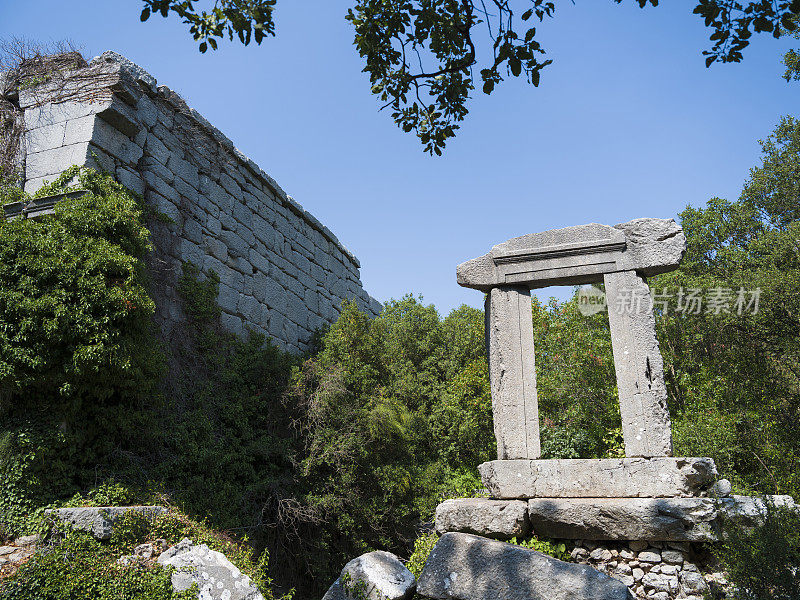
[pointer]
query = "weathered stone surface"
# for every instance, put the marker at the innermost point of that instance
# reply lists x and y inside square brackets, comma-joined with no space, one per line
[468,567]
[99,520]
[639,366]
[377,576]
[491,518]
[335,592]
[720,489]
[216,577]
[577,255]
[653,519]
[653,245]
[512,372]
[598,478]
[185,168]
[750,510]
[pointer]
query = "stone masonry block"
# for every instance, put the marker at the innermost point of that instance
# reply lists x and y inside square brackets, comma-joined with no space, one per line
[639,367]
[79,130]
[45,138]
[502,519]
[115,143]
[598,478]
[53,162]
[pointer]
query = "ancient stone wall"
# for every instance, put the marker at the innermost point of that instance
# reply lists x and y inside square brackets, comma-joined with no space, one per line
[282,272]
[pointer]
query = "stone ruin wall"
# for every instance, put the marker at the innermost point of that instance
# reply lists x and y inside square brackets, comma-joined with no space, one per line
[282,272]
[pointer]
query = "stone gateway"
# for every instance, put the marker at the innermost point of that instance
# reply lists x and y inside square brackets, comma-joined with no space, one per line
[621,257]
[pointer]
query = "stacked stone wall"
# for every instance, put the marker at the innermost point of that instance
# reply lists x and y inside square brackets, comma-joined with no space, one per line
[282,272]
[655,570]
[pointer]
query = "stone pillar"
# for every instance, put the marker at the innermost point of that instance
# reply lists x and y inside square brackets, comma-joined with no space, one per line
[639,366]
[512,372]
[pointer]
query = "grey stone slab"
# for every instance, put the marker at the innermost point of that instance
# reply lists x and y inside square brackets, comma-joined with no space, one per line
[131,180]
[45,138]
[512,372]
[155,147]
[653,245]
[598,478]
[502,519]
[121,117]
[651,519]
[216,577]
[55,161]
[639,366]
[750,510]
[577,255]
[468,567]
[147,111]
[161,187]
[116,143]
[184,169]
[137,73]
[99,520]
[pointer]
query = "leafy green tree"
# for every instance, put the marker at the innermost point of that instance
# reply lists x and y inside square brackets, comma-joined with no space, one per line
[421,55]
[734,379]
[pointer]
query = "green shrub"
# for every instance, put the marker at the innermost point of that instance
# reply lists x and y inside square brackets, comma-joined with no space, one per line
[556,549]
[79,363]
[423,546]
[763,562]
[72,564]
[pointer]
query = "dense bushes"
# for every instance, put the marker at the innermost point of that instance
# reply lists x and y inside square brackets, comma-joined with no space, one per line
[73,565]
[763,562]
[322,457]
[78,361]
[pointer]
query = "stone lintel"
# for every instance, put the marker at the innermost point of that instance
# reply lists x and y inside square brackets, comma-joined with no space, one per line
[512,372]
[577,255]
[598,478]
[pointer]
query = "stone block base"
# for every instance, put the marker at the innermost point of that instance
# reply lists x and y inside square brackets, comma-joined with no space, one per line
[100,520]
[661,477]
[501,519]
[650,519]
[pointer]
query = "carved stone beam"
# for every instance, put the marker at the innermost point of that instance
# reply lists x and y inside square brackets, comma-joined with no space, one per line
[577,255]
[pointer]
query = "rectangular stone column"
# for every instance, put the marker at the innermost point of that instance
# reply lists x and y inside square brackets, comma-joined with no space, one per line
[512,372]
[639,366]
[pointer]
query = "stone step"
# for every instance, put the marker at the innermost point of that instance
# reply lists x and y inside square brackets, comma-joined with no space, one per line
[650,519]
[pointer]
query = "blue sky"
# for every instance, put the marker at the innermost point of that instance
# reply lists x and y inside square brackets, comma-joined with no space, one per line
[627,122]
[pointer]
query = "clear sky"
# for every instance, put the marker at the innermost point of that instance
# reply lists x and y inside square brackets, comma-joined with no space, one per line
[627,122]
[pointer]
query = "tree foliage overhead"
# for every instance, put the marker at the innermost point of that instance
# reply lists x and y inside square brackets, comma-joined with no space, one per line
[425,57]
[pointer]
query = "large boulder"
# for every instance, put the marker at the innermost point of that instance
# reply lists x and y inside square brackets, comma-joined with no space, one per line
[467,567]
[99,520]
[216,577]
[373,576]
[490,518]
